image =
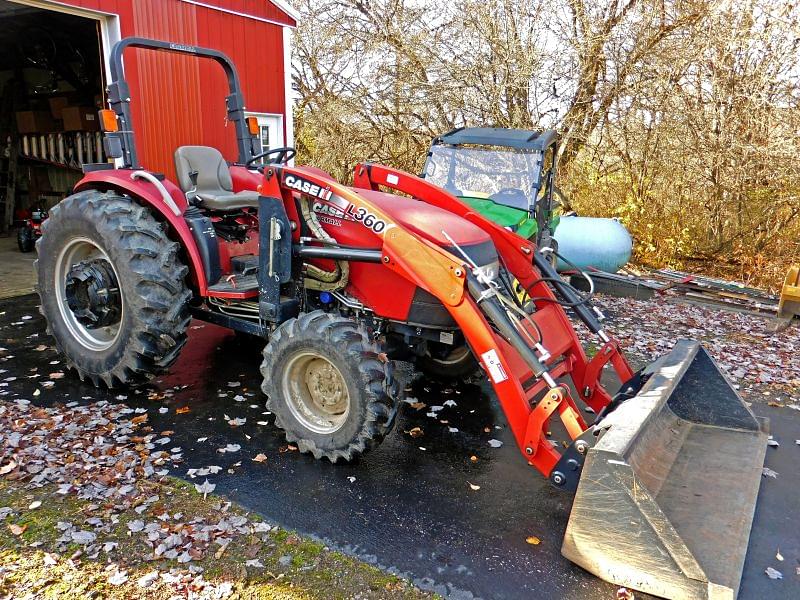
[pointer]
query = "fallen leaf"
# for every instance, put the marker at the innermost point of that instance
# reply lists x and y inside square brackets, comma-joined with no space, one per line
[773,573]
[34,505]
[8,467]
[418,405]
[56,375]
[474,487]
[17,529]
[118,578]
[205,488]
[182,410]
[148,579]
[766,472]
[415,432]
[135,525]
[533,540]
[139,420]
[254,563]
[260,457]
[495,443]
[473,458]
[625,594]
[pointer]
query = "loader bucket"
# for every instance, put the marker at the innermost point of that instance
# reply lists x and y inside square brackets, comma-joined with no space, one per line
[666,496]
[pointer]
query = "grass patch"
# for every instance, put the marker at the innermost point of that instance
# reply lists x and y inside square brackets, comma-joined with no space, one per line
[35,563]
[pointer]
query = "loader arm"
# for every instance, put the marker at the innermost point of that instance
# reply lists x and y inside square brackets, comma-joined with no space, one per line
[524,378]
[520,257]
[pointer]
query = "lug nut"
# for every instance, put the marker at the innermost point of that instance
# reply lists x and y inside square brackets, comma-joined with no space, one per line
[528,450]
[558,478]
[386,259]
[459,272]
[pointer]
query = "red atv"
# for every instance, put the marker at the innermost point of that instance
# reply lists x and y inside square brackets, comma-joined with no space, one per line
[342,281]
[30,228]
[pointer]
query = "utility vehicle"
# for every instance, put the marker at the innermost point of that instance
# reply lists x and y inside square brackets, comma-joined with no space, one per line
[508,175]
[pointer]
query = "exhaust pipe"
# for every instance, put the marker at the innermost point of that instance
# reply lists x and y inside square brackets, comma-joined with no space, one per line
[667,494]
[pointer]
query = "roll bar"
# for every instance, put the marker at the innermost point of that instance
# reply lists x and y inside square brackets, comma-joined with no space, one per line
[119,95]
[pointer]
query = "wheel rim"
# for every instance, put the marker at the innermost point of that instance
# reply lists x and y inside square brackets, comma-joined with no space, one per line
[316,392]
[81,254]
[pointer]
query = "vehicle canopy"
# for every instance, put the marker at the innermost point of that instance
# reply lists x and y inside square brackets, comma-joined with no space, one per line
[505,174]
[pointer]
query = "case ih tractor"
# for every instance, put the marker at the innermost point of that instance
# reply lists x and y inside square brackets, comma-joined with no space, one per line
[342,281]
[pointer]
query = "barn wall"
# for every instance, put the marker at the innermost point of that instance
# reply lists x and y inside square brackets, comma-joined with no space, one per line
[179,100]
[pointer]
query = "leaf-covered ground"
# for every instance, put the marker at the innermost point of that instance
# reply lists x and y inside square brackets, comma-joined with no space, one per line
[764,365]
[87,510]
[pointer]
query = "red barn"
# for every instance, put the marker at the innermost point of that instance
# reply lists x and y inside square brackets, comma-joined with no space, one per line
[54,67]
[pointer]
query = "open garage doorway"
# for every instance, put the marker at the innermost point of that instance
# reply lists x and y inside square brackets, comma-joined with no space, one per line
[52,82]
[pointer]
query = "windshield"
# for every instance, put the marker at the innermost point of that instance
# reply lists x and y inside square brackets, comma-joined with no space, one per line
[506,176]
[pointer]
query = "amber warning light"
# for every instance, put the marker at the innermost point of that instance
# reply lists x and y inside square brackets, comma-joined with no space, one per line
[252,125]
[108,120]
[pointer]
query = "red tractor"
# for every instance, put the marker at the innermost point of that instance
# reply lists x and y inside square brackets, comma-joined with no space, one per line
[30,228]
[342,281]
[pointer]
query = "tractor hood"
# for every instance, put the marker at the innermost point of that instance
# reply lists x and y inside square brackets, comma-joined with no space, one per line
[430,222]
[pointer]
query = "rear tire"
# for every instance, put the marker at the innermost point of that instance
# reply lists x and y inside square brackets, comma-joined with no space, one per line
[457,365]
[329,386]
[26,240]
[137,300]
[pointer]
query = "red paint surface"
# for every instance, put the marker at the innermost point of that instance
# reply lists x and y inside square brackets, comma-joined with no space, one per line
[179,100]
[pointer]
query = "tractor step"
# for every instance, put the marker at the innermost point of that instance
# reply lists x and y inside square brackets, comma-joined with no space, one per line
[245,264]
[235,286]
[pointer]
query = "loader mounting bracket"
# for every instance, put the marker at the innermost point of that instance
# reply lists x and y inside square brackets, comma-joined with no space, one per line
[567,472]
[275,261]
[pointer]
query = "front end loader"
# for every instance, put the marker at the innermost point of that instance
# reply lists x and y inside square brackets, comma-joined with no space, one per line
[342,281]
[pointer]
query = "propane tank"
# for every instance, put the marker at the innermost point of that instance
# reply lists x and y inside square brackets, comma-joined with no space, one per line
[591,242]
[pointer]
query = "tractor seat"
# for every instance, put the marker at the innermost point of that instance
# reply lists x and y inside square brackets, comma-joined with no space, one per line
[214,183]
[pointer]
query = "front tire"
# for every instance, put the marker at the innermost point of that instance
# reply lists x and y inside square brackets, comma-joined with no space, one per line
[112,288]
[330,387]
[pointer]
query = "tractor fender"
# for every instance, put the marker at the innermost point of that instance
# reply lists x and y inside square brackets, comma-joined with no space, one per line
[136,185]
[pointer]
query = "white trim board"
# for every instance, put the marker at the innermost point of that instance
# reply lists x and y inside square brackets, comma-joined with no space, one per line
[287,8]
[237,13]
[288,92]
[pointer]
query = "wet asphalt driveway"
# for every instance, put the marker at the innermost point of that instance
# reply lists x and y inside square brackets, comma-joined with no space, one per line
[409,505]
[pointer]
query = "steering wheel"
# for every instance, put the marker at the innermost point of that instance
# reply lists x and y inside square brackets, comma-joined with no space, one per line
[283,155]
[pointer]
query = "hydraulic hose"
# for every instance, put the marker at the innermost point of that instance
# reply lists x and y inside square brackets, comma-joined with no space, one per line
[567,292]
[320,279]
[494,309]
